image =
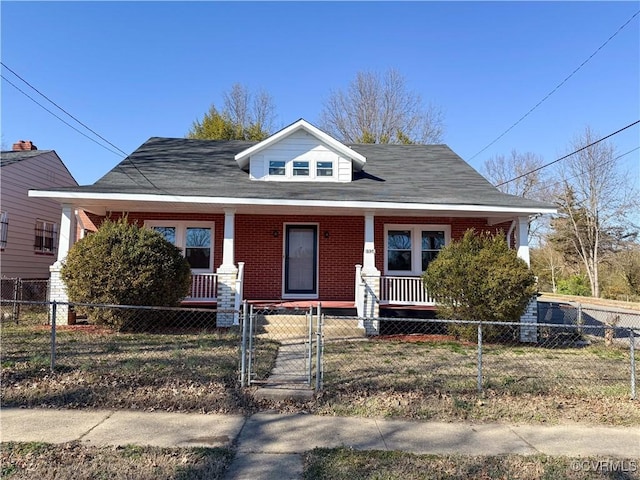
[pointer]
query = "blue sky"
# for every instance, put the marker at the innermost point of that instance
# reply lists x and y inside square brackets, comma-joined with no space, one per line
[135,70]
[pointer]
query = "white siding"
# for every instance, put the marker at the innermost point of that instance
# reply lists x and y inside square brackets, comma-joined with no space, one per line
[257,168]
[18,259]
[300,146]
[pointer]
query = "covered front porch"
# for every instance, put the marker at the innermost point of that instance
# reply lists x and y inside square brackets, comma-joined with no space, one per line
[347,262]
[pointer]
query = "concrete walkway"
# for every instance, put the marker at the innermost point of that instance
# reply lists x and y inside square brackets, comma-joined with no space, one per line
[269,445]
[289,378]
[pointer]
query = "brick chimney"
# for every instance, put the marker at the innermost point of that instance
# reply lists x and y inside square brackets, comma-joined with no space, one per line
[24,145]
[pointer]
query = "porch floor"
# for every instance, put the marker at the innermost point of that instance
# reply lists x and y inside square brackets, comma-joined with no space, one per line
[300,304]
[305,304]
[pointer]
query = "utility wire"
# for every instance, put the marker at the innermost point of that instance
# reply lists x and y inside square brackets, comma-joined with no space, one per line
[558,86]
[78,121]
[59,107]
[58,117]
[590,170]
[567,156]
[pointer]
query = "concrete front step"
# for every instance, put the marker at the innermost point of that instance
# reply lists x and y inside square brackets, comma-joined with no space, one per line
[297,326]
[283,394]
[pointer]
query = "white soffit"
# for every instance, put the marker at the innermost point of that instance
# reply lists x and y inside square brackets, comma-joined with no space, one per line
[78,198]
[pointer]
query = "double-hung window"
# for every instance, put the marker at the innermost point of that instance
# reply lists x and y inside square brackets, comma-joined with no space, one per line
[45,237]
[324,169]
[410,248]
[195,239]
[300,169]
[277,168]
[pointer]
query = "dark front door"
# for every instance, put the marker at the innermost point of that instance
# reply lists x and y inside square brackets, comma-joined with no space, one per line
[301,260]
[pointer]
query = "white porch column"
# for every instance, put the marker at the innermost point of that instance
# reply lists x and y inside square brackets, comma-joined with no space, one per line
[227,274]
[369,254]
[228,245]
[57,288]
[522,234]
[370,277]
[67,234]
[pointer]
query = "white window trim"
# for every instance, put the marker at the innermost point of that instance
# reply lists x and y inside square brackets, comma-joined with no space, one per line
[313,170]
[268,168]
[181,237]
[416,245]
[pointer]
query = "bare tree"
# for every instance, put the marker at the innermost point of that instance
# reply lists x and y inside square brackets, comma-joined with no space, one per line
[245,116]
[249,111]
[516,174]
[548,265]
[595,205]
[380,109]
[521,174]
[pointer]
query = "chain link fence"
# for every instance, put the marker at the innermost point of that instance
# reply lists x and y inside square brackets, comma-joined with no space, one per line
[178,359]
[172,359]
[585,359]
[17,290]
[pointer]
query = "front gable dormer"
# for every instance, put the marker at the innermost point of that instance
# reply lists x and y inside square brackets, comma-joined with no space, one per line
[300,153]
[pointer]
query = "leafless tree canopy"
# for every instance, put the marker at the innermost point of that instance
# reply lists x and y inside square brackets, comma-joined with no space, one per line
[379,109]
[244,108]
[503,168]
[596,203]
[535,185]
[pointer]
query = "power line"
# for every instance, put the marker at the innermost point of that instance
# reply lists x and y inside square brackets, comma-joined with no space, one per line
[78,121]
[58,117]
[62,109]
[567,156]
[590,170]
[558,86]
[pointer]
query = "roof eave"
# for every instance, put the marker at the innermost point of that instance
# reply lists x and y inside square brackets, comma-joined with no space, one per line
[77,198]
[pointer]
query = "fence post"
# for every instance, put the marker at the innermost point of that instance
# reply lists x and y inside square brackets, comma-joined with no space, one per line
[310,339]
[632,354]
[250,362]
[579,320]
[54,307]
[480,357]
[319,350]
[16,287]
[243,347]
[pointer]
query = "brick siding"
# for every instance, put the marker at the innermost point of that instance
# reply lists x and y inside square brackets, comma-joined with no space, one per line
[338,254]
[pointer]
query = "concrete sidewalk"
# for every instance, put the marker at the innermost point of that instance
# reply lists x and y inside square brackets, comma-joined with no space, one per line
[269,445]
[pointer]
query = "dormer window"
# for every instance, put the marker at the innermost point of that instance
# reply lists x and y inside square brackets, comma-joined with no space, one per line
[300,169]
[324,169]
[277,167]
[301,153]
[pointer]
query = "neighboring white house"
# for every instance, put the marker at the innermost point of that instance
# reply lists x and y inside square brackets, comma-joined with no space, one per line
[29,227]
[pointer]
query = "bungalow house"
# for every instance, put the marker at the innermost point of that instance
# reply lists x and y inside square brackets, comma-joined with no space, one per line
[29,226]
[300,216]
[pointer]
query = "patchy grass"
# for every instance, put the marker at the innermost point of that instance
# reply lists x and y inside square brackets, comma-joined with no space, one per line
[197,371]
[74,460]
[340,463]
[426,380]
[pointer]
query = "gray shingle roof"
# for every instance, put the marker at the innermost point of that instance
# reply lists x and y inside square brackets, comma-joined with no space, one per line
[425,174]
[9,157]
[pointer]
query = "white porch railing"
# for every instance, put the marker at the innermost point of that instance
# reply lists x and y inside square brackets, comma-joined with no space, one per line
[204,287]
[404,291]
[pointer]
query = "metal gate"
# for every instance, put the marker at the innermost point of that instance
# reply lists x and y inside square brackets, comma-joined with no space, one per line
[282,348]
